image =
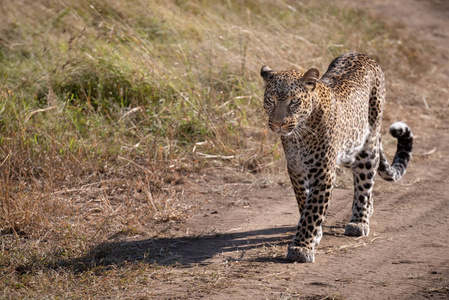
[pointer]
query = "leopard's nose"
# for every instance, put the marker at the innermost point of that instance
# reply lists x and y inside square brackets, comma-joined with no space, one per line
[278,124]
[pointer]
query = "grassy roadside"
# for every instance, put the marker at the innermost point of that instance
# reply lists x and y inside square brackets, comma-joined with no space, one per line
[107,108]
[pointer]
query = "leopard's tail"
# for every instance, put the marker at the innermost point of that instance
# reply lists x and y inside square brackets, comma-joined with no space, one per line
[395,171]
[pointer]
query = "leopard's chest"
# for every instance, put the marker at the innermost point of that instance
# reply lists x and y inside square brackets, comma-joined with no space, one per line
[306,151]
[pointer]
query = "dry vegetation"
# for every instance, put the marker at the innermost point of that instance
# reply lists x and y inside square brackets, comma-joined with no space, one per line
[108,109]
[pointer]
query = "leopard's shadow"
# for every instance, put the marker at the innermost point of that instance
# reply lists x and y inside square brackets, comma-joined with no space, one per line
[184,251]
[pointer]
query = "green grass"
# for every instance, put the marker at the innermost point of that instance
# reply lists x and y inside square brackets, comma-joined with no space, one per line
[107,107]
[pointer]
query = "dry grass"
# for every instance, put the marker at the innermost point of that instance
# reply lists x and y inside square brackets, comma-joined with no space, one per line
[109,109]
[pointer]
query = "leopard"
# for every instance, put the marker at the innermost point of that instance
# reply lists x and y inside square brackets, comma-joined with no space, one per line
[328,122]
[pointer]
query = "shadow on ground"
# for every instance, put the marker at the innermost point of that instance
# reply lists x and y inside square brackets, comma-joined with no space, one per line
[183,251]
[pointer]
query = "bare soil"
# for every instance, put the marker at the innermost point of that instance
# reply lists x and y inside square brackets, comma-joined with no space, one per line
[234,245]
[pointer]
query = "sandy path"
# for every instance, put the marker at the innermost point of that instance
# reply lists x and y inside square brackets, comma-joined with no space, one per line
[406,255]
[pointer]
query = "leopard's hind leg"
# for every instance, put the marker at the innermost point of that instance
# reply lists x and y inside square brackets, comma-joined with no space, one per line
[367,162]
[364,171]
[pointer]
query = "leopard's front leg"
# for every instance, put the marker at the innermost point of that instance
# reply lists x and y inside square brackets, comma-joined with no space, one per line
[300,185]
[309,232]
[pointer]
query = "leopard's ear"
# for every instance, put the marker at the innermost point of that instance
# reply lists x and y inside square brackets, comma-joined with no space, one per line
[266,73]
[310,78]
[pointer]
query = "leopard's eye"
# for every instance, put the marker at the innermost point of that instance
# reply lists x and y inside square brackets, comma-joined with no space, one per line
[294,100]
[270,100]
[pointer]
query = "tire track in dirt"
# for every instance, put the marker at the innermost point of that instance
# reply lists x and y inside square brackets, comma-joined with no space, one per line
[401,262]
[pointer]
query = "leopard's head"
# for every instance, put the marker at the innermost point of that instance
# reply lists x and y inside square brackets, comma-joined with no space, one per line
[288,98]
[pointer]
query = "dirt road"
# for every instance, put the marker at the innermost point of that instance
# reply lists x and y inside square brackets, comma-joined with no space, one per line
[234,246]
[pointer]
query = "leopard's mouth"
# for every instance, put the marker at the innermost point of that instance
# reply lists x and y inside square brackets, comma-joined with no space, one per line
[283,130]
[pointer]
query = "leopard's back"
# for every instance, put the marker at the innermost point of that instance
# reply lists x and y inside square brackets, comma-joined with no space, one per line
[358,85]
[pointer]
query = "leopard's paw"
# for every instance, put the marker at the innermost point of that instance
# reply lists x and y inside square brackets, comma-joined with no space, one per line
[357,229]
[300,254]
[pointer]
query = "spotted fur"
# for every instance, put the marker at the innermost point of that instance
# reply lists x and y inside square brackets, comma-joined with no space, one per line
[329,121]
